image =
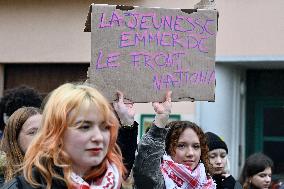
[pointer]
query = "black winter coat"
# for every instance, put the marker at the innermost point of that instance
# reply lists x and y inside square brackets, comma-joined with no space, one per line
[226,183]
[127,141]
[20,183]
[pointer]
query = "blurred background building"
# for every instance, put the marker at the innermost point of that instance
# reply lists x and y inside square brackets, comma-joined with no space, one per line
[42,45]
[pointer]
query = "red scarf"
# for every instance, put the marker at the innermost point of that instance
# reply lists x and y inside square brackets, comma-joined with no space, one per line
[110,180]
[179,176]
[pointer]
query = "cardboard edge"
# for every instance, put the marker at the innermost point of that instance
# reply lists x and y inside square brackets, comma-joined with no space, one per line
[190,99]
[205,4]
[188,11]
[88,20]
[217,19]
[125,7]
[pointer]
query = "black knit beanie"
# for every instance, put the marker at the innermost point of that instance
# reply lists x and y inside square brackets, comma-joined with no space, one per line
[215,142]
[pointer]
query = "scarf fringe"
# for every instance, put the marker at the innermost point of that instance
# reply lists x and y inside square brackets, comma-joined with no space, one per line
[179,176]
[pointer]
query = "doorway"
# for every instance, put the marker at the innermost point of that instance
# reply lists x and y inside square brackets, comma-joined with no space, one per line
[43,77]
[265,116]
[270,132]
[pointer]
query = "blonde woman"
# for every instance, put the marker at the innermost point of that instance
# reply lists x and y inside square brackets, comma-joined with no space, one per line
[218,158]
[76,145]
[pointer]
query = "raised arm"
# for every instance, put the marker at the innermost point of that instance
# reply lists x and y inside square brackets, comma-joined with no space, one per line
[146,171]
[127,135]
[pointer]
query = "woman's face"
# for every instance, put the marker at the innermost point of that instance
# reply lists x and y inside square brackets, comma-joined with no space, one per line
[28,131]
[218,159]
[86,141]
[188,149]
[262,180]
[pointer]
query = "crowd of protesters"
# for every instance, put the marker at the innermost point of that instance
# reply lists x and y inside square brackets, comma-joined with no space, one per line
[77,139]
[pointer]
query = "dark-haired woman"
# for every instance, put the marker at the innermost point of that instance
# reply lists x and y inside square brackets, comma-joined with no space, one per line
[257,171]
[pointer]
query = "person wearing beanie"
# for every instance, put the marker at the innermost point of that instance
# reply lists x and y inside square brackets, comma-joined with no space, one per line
[218,158]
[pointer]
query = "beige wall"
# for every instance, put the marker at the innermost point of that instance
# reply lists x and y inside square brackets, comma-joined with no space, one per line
[250,28]
[43,31]
[52,31]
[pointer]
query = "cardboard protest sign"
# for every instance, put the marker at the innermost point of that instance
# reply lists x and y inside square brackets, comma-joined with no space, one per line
[144,52]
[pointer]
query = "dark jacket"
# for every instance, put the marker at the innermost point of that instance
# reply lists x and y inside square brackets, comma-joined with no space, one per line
[146,170]
[226,183]
[1,180]
[127,141]
[20,183]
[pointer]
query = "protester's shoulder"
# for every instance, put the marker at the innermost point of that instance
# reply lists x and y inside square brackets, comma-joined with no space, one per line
[13,184]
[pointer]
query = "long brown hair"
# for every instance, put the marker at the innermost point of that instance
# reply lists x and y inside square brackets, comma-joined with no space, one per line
[46,150]
[254,164]
[176,129]
[14,154]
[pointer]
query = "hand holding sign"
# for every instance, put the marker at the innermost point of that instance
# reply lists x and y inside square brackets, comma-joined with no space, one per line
[124,110]
[163,110]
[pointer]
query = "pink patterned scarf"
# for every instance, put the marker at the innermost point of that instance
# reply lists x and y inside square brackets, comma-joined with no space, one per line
[179,176]
[111,180]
